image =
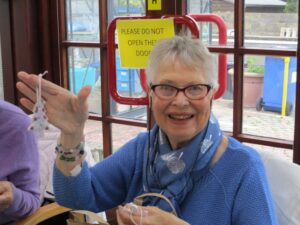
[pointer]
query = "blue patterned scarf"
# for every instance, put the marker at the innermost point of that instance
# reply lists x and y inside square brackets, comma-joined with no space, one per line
[173,173]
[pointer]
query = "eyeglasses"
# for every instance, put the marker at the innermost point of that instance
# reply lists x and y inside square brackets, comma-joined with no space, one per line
[193,92]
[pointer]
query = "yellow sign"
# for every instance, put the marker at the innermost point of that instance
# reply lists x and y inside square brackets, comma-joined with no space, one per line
[154,4]
[136,39]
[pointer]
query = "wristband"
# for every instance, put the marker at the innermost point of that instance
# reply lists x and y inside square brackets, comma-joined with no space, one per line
[70,154]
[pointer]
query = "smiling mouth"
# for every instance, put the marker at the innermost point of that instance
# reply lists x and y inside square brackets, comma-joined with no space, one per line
[181,117]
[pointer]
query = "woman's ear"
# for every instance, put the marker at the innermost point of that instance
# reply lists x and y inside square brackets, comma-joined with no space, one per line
[212,93]
[150,100]
[150,93]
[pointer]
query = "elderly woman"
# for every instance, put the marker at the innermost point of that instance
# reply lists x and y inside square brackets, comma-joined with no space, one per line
[185,160]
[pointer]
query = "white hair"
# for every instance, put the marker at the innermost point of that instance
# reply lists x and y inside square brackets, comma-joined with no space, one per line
[189,52]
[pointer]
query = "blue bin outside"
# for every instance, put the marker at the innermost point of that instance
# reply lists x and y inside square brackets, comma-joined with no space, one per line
[82,77]
[127,79]
[273,84]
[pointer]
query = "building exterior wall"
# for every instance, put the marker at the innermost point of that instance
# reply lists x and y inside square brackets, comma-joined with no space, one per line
[266,21]
[262,24]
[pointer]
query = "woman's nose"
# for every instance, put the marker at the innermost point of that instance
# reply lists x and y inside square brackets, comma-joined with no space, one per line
[180,99]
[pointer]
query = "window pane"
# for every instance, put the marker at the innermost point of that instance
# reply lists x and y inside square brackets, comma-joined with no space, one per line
[120,137]
[136,112]
[125,8]
[223,107]
[82,22]
[93,138]
[223,110]
[269,96]
[128,81]
[128,85]
[84,69]
[209,31]
[281,20]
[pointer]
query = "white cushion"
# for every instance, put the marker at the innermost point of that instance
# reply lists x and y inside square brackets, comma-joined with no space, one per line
[284,180]
[46,145]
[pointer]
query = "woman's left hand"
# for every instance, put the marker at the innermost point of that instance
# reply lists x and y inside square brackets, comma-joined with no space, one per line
[6,195]
[131,214]
[64,110]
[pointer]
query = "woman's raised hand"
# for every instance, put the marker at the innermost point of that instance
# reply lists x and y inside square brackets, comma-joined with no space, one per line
[66,111]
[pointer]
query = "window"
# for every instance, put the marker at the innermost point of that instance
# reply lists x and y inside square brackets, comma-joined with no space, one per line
[261,92]
[83,33]
[252,49]
[74,48]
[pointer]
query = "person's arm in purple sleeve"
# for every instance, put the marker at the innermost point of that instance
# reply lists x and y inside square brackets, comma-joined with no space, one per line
[19,182]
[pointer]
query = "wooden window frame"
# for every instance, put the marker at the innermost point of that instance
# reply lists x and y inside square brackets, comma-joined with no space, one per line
[44,24]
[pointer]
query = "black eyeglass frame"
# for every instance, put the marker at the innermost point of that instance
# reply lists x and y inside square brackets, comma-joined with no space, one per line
[153,87]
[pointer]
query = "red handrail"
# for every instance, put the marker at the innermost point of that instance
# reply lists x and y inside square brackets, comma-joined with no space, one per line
[222,41]
[111,54]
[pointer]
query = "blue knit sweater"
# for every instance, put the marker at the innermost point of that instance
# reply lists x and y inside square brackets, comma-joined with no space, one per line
[234,191]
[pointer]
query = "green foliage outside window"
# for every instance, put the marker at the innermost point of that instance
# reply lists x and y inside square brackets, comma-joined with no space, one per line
[253,67]
[291,6]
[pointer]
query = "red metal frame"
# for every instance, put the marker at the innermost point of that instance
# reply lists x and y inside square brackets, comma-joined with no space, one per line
[112,75]
[111,53]
[222,41]
[190,22]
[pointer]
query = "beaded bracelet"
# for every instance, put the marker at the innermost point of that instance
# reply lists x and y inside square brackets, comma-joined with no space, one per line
[70,154]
